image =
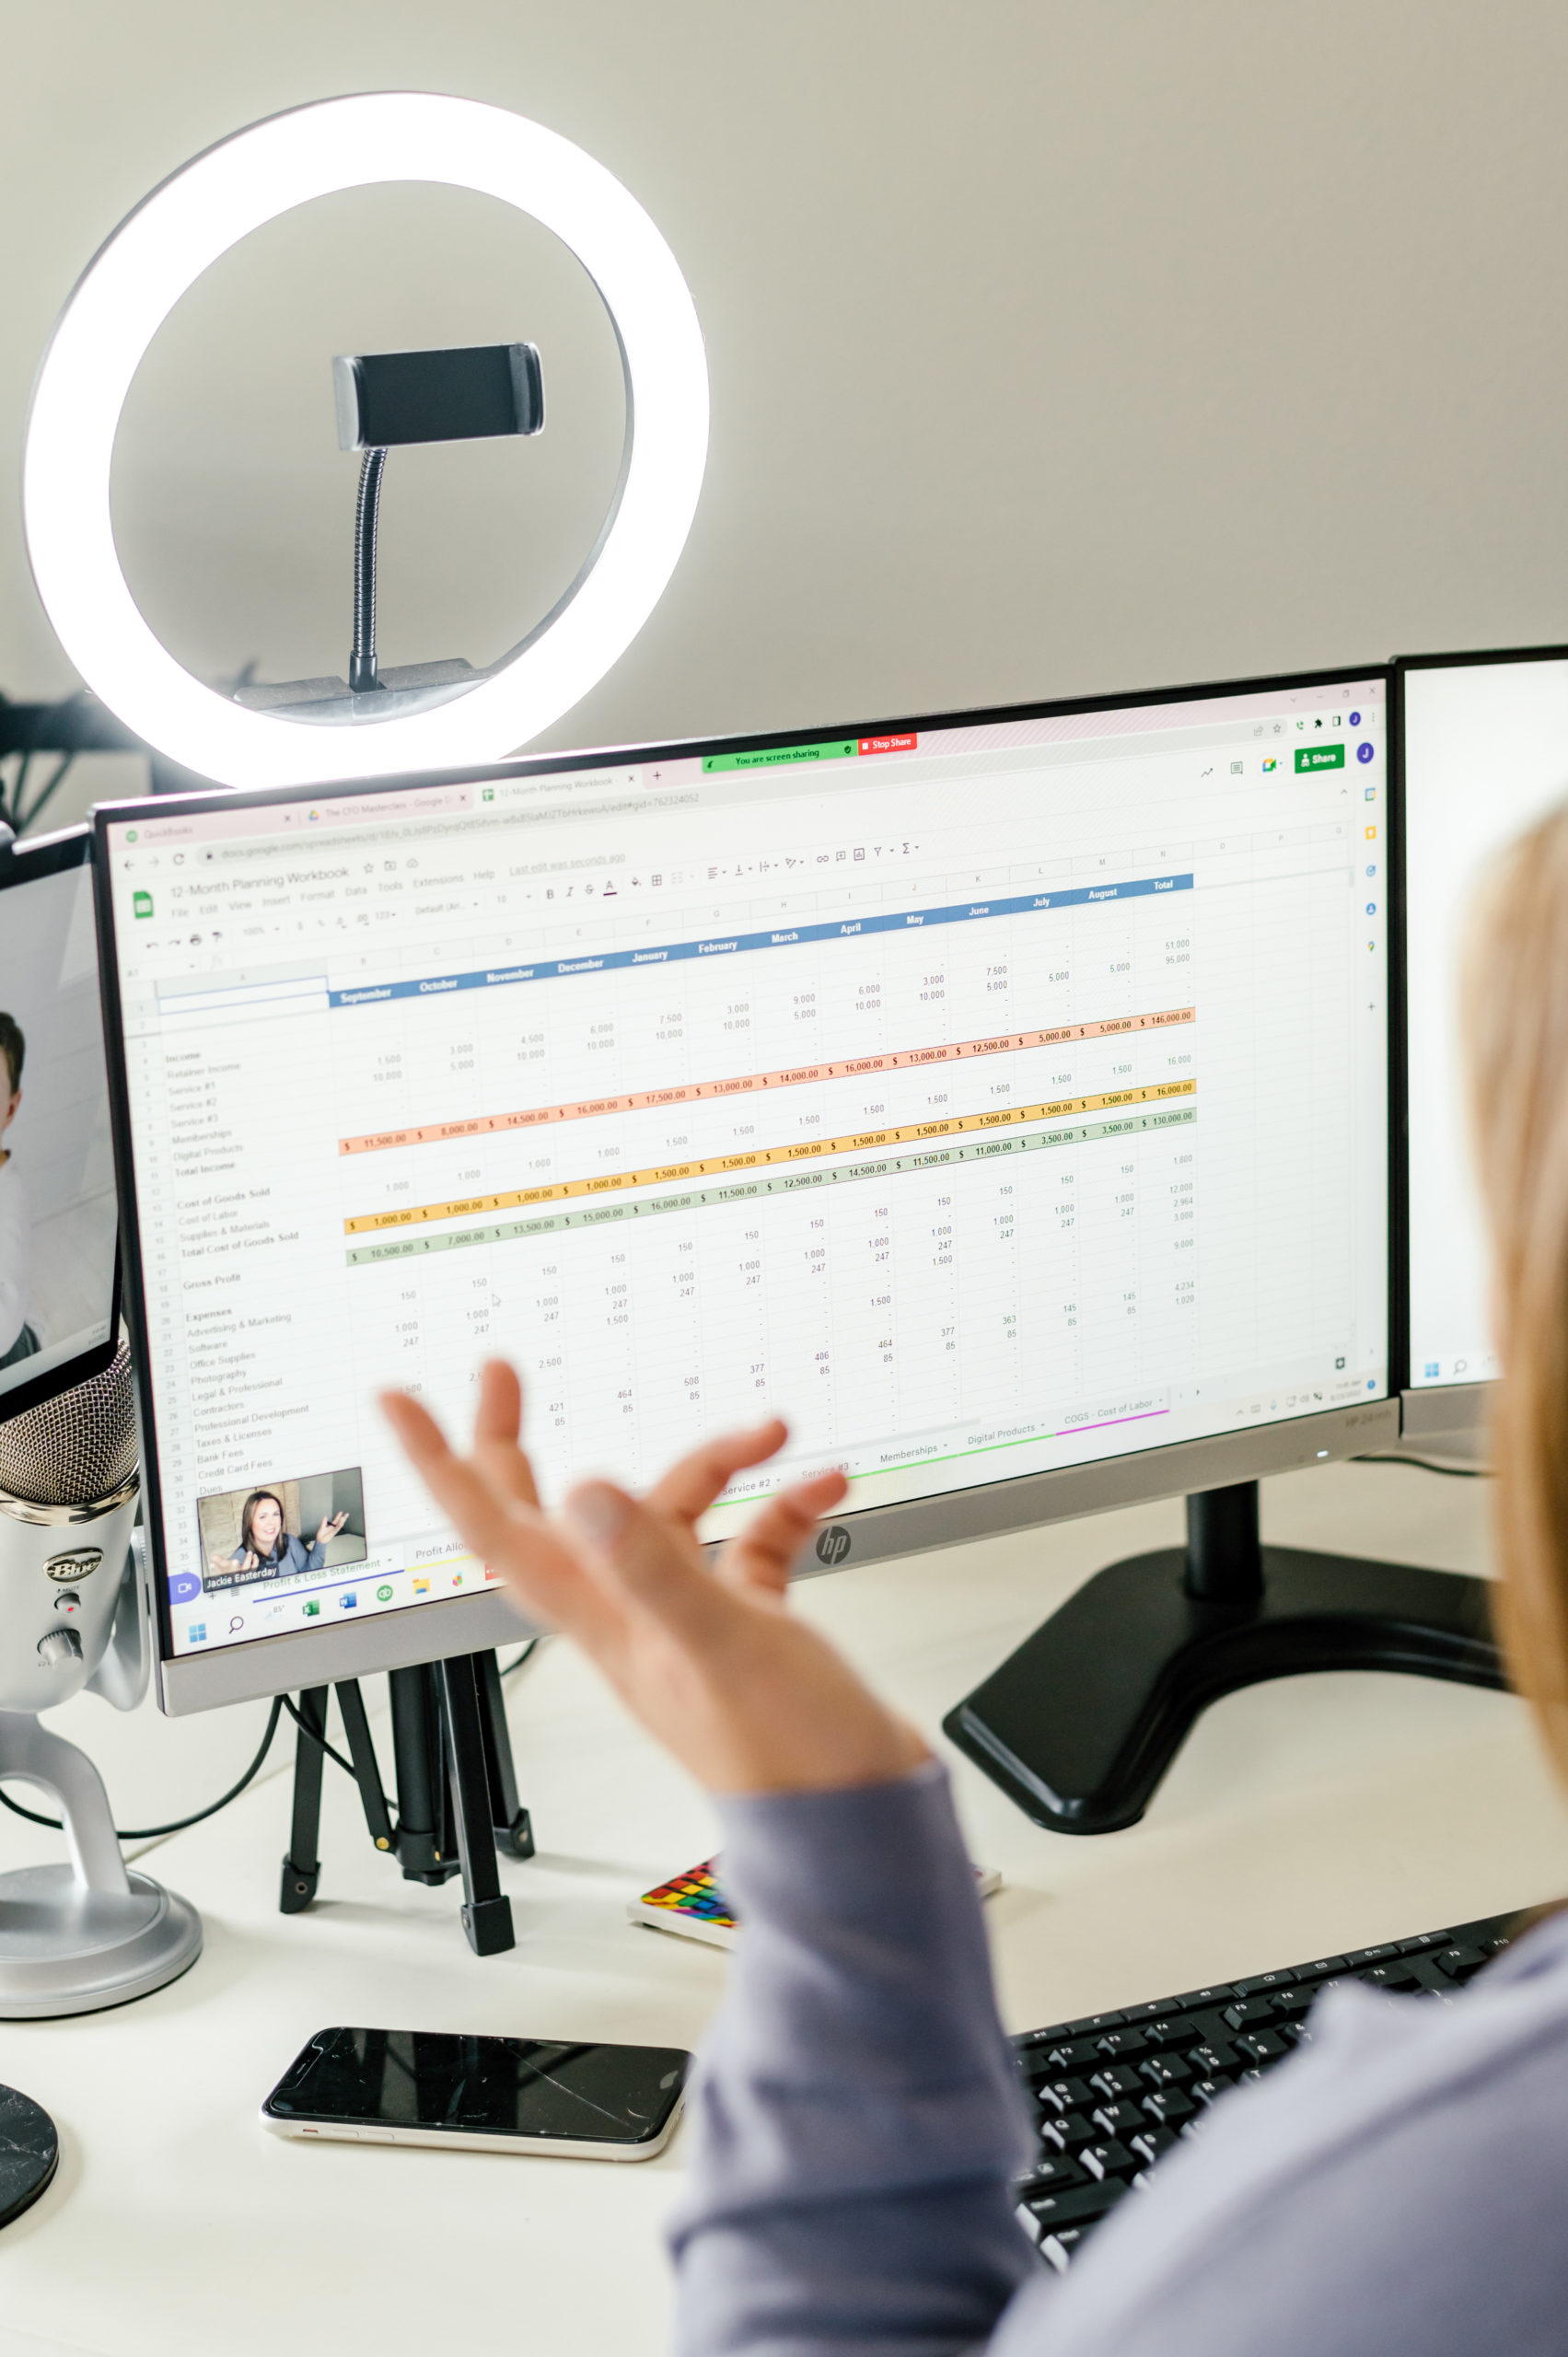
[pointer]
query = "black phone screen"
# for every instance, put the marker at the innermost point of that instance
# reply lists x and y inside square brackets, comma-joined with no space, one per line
[491,2086]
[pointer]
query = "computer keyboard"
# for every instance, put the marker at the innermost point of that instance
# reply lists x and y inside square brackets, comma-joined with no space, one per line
[1113,2092]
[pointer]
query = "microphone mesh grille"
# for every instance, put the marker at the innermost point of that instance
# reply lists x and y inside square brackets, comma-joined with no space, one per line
[78,1446]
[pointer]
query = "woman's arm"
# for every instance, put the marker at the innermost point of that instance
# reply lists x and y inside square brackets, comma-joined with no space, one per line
[858,2118]
[327,1528]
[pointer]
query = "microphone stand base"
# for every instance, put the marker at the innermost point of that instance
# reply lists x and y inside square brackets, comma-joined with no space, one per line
[66,1948]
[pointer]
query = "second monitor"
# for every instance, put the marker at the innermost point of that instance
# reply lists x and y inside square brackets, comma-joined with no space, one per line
[1004,1099]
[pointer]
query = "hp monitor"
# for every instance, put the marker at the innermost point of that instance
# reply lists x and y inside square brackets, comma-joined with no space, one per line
[1485,752]
[1001,1098]
[58,1314]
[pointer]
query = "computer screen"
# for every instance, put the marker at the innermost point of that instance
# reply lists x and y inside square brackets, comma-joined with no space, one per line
[1486,752]
[990,1096]
[57,1214]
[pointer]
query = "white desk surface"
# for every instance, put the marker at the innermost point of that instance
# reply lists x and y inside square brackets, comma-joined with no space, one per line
[1303,1817]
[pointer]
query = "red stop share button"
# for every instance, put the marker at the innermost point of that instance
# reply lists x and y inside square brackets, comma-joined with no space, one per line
[889,744]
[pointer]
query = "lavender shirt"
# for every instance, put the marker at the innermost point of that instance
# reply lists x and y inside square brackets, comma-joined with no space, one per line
[1400,2187]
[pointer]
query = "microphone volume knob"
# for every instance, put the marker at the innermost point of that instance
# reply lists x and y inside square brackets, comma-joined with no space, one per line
[60,1648]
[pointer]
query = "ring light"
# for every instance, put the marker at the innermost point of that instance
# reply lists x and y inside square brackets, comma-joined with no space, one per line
[156,255]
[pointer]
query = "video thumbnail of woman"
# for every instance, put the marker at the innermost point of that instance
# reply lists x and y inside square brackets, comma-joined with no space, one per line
[279,1530]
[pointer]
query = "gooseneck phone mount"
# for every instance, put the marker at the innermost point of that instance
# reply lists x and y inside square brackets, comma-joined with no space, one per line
[1081,1722]
[457,1789]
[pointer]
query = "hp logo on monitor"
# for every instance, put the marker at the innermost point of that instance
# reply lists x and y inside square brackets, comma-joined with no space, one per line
[833,1545]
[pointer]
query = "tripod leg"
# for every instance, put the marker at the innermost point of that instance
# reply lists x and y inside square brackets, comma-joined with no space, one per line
[301,1867]
[487,1913]
[423,1843]
[514,1833]
[366,1767]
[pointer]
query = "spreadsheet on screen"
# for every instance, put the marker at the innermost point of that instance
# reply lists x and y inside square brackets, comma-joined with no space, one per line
[985,1098]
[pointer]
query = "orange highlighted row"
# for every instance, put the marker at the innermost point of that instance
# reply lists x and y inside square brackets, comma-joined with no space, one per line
[811,1150]
[794,1076]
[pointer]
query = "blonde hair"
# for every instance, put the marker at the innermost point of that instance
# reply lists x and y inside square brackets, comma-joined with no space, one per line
[1515,1022]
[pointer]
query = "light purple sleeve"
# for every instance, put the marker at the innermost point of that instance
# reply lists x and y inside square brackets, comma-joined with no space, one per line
[1397,2187]
[857,2117]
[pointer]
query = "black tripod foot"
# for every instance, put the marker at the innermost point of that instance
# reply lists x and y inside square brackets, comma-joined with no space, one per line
[298,1887]
[488,1924]
[516,1841]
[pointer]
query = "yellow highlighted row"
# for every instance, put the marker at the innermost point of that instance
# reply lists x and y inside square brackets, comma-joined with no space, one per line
[811,1150]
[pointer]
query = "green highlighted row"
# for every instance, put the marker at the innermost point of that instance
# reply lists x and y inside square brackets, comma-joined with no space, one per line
[692,1199]
[840,749]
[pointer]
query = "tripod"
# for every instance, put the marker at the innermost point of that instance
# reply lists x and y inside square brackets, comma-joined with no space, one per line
[456,1789]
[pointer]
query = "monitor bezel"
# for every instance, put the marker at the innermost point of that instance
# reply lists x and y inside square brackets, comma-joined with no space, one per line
[267,1666]
[1449,1417]
[25,861]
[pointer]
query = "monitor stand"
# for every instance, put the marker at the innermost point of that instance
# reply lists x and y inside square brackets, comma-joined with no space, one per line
[1081,1722]
[456,1789]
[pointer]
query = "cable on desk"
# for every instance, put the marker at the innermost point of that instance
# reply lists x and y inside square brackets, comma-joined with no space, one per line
[1426,1465]
[281,1703]
[332,1751]
[150,1832]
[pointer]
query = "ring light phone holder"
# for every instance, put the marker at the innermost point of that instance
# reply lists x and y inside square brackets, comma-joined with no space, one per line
[157,254]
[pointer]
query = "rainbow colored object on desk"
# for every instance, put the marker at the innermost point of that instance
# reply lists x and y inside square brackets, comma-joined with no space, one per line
[693,1904]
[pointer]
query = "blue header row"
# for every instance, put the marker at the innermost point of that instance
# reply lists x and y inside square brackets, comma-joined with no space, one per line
[725,945]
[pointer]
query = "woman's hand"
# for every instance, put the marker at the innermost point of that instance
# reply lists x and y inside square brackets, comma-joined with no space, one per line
[242,1559]
[328,1527]
[710,1660]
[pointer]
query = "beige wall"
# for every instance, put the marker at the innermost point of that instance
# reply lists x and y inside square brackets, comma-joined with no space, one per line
[1054,348]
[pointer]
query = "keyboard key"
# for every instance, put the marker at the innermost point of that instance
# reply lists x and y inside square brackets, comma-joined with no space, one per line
[1120,2120]
[1109,2158]
[1067,2133]
[1119,2079]
[1290,2003]
[1261,2045]
[1073,2054]
[1211,2060]
[1059,2248]
[1090,2024]
[1177,2030]
[1427,1940]
[1206,2091]
[1164,2070]
[1248,2010]
[1152,2141]
[1120,2044]
[1052,2173]
[1396,1976]
[1192,2000]
[1076,2205]
[1378,1955]
[1062,2094]
[1169,2107]
[1459,1963]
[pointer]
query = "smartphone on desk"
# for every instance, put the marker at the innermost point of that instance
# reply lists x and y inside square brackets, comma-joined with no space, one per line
[488,2094]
